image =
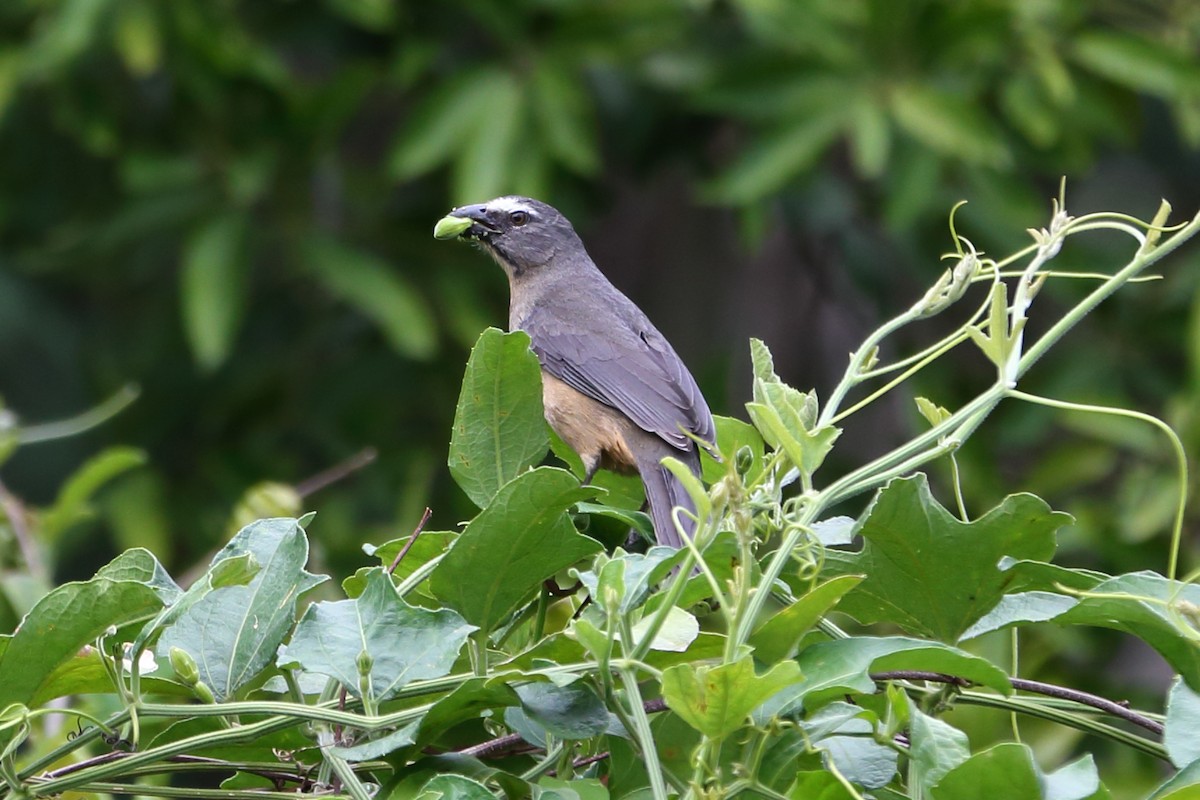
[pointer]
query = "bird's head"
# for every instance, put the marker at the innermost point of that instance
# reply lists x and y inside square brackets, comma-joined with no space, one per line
[521,233]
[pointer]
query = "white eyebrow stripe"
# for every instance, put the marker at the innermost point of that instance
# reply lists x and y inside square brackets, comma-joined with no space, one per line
[509,205]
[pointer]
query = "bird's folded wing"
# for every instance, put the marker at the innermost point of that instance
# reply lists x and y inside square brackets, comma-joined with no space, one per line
[635,372]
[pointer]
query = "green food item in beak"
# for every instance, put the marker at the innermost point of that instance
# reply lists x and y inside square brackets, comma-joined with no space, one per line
[450,227]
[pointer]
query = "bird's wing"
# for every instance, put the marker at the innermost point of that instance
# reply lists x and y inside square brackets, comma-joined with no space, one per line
[629,367]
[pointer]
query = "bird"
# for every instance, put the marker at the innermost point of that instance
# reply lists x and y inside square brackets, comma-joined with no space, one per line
[613,388]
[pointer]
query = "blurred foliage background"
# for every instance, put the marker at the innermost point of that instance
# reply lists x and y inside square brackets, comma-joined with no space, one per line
[229,204]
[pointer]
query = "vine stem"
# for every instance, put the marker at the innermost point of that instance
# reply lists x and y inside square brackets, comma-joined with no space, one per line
[1176,447]
[643,734]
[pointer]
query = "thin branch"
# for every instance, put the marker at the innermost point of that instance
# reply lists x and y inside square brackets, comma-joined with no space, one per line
[1036,687]
[337,472]
[411,540]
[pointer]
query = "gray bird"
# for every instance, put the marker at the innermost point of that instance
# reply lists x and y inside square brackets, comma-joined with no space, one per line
[613,387]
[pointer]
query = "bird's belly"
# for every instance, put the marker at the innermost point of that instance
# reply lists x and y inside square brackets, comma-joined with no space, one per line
[597,432]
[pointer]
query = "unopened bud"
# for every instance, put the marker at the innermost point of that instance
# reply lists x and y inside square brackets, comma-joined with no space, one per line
[184,666]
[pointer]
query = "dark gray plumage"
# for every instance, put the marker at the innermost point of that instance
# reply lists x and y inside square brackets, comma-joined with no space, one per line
[614,388]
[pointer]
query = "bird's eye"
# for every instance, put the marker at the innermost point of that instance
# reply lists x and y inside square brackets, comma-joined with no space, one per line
[518,218]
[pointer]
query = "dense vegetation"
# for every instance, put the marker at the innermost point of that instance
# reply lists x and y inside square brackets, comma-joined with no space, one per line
[226,208]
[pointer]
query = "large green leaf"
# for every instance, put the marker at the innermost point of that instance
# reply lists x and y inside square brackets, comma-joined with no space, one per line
[929,572]
[499,426]
[63,622]
[523,537]
[233,632]
[400,643]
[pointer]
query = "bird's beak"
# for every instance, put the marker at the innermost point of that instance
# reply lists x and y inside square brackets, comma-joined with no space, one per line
[469,222]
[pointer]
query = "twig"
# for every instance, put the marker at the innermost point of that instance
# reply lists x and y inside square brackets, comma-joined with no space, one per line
[411,540]
[337,472]
[1036,687]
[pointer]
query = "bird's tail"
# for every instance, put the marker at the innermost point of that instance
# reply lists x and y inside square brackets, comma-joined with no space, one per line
[664,492]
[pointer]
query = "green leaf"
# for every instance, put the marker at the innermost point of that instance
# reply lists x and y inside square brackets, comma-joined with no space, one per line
[428,546]
[935,748]
[1145,605]
[779,637]
[858,757]
[63,622]
[870,138]
[378,291]
[563,113]
[627,577]
[499,425]
[482,168]
[786,417]
[810,785]
[769,162]
[676,635]
[86,673]
[1009,770]
[439,125]
[1078,780]
[1137,63]
[1181,735]
[226,569]
[73,504]
[65,34]
[717,700]
[951,124]
[402,643]
[453,787]
[468,701]
[844,666]
[735,440]
[574,789]
[137,38]
[213,287]
[1184,785]
[523,537]
[929,572]
[567,712]
[233,632]
[140,565]
[380,747]
[997,341]
[1020,608]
